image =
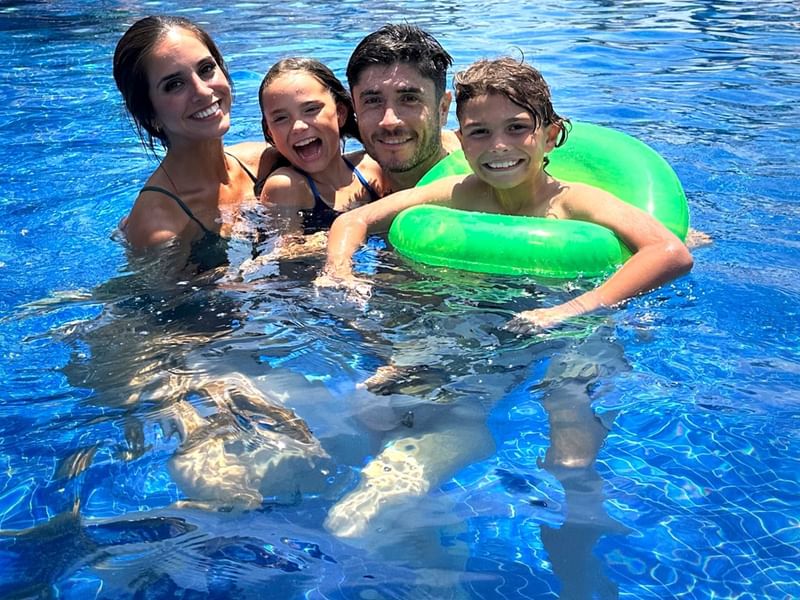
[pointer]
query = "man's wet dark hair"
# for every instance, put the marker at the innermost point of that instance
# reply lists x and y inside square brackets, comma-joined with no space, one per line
[406,44]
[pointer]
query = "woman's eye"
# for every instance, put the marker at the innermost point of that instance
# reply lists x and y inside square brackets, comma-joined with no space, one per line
[208,69]
[172,85]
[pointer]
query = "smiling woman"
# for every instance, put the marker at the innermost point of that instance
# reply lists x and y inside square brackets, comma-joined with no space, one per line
[177,90]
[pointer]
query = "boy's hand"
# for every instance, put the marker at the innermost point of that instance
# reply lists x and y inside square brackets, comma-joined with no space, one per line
[357,288]
[540,319]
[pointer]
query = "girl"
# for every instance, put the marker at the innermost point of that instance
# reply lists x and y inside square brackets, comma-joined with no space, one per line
[306,115]
[507,126]
[177,90]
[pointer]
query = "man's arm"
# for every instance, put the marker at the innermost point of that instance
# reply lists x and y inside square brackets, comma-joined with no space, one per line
[350,230]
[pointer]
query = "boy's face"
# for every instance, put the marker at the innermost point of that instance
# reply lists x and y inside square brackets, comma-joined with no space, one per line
[399,119]
[501,141]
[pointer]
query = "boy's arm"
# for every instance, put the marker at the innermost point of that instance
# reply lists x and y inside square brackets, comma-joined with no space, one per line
[658,257]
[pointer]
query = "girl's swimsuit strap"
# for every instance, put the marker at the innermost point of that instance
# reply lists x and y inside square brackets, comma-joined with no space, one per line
[373,194]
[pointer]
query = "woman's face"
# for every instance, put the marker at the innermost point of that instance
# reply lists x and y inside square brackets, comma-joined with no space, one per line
[303,120]
[190,94]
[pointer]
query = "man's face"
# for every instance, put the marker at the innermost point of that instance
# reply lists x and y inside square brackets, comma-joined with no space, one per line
[399,119]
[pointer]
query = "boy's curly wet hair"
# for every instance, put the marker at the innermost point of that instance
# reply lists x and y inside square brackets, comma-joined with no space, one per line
[517,81]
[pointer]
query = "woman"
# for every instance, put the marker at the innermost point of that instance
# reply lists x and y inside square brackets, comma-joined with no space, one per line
[177,90]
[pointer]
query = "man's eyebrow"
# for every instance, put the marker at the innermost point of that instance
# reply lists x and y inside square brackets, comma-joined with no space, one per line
[412,89]
[408,89]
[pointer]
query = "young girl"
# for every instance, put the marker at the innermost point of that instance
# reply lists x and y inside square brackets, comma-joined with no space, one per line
[507,126]
[306,115]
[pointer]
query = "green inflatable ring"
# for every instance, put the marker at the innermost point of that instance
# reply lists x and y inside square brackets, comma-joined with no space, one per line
[509,245]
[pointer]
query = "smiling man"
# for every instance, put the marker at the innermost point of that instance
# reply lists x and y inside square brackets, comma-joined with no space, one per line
[397,77]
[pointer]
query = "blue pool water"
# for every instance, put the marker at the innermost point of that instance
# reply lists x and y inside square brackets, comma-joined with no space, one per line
[650,453]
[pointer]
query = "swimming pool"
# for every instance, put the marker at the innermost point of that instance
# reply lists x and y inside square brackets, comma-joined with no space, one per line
[689,480]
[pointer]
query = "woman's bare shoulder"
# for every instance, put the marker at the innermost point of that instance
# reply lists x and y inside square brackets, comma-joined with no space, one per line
[154,219]
[259,157]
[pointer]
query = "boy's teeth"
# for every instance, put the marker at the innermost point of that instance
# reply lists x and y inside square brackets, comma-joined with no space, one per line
[504,164]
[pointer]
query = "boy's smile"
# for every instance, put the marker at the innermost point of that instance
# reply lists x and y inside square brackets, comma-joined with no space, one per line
[502,142]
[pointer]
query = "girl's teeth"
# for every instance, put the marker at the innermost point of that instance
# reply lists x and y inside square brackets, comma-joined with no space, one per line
[306,142]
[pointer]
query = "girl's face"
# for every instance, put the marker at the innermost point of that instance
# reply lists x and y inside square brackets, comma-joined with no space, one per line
[189,91]
[501,142]
[303,120]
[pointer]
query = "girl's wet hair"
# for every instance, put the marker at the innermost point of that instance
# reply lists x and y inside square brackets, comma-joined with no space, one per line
[325,76]
[517,81]
[130,70]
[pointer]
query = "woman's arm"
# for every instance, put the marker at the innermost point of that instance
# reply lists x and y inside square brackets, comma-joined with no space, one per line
[152,222]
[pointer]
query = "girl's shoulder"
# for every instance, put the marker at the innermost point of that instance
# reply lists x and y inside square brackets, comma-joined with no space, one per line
[287,186]
[363,162]
[370,170]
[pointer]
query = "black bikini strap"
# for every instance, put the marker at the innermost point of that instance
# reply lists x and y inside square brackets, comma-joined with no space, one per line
[153,188]
[241,164]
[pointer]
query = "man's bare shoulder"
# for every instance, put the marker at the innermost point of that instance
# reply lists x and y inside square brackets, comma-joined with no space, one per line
[450,141]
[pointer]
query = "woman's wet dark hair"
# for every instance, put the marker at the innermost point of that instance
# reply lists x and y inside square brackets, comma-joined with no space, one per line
[406,44]
[130,70]
[325,76]
[517,81]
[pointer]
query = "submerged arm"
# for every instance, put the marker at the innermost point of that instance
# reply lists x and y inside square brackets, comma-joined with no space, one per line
[350,230]
[658,257]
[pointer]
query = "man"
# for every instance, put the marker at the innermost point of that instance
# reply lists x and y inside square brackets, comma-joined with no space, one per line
[397,77]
